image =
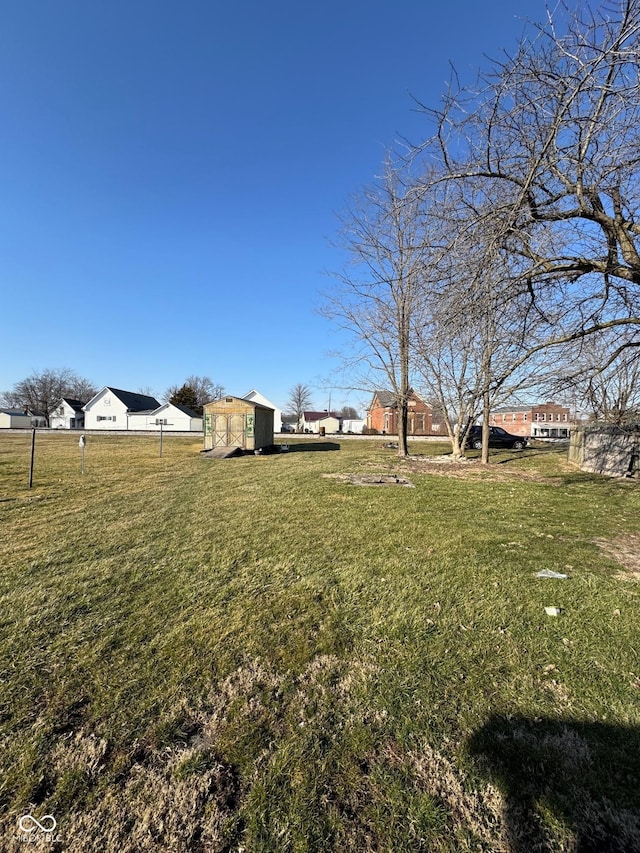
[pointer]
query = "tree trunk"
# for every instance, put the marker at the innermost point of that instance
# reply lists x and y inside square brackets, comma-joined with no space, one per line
[403,417]
[486,410]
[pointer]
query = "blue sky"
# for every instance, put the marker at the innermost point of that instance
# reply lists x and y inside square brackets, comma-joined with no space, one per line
[170,174]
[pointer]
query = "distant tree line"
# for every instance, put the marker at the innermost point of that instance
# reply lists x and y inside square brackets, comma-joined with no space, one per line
[42,391]
[499,257]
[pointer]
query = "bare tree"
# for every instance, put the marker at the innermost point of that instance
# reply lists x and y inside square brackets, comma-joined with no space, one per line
[602,377]
[374,298]
[300,397]
[41,392]
[349,413]
[197,389]
[551,136]
[474,338]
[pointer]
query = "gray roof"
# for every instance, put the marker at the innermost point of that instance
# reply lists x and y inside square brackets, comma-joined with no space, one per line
[385,398]
[135,402]
[187,411]
[16,412]
[76,405]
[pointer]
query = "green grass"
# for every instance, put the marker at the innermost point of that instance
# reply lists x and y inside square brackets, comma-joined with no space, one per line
[243,654]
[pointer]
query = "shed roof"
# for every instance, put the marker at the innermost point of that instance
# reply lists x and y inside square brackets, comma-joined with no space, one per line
[229,398]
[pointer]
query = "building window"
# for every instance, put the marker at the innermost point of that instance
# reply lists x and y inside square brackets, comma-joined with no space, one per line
[564,417]
[524,416]
[543,416]
[536,416]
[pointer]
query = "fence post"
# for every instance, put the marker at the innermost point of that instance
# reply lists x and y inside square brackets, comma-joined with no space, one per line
[33,452]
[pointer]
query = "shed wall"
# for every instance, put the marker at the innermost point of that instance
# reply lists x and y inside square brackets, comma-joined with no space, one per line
[610,450]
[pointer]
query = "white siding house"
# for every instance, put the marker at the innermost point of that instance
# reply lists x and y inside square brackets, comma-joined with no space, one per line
[168,416]
[112,408]
[14,419]
[67,415]
[256,397]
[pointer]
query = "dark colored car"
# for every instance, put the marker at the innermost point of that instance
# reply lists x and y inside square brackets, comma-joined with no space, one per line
[498,437]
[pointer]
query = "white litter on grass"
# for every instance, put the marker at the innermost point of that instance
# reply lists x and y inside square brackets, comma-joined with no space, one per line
[547,573]
[553,611]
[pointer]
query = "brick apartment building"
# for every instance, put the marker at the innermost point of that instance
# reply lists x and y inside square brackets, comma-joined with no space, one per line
[382,415]
[545,420]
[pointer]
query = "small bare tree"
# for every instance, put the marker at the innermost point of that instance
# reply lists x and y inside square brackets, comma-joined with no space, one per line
[374,298]
[475,340]
[300,397]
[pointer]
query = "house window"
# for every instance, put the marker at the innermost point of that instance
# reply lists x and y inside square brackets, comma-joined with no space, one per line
[162,421]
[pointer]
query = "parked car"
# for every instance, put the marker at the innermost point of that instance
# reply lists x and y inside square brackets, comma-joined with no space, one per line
[287,428]
[498,437]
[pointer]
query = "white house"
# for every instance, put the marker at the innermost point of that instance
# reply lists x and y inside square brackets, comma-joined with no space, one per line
[112,408]
[256,397]
[168,416]
[319,422]
[67,415]
[14,419]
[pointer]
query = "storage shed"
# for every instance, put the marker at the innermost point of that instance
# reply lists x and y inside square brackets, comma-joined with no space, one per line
[607,449]
[236,422]
[14,419]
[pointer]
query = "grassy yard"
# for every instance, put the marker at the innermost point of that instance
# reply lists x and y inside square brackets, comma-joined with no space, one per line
[249,655]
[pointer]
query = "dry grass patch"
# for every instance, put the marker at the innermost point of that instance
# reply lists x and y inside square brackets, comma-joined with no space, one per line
[624,549]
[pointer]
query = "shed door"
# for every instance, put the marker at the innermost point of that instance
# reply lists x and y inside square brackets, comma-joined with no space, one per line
[236,430]
[228,430]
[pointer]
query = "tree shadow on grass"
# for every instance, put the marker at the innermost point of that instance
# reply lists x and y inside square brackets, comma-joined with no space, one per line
[527,453]
[586,776]
[309,446]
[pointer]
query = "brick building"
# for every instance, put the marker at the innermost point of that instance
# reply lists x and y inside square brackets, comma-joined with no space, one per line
[544,420]
[382,415]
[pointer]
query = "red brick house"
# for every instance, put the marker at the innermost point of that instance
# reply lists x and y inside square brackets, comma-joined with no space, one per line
[544,420]
[382,415]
